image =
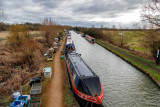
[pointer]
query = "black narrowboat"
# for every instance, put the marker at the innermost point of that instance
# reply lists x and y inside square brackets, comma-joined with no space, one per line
[85,84]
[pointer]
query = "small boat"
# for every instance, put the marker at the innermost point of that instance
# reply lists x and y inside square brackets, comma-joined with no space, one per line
[83,35]
[69,46]
[90,39]
[84,83]
[21,101]
[68,36]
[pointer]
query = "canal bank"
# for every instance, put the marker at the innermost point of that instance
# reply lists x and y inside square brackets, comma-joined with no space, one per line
[148,67]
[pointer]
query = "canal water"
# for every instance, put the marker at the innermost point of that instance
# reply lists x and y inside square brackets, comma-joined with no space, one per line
[124,86]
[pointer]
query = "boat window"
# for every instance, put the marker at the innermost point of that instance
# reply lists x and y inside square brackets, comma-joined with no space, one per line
[74,76]
[69,62]
[72,70]
[76,81]
[68,59]
[70,65]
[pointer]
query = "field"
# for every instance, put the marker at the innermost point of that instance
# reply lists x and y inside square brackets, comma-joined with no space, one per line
[5,34]
[131,40]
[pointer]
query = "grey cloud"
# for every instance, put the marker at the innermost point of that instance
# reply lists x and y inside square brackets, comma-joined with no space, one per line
[111,7]
[49,4]
[69,12]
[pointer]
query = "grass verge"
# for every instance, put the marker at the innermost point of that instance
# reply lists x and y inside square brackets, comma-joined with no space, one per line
[69,98]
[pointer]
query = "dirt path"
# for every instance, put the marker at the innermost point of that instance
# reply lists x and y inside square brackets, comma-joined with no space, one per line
[56,89]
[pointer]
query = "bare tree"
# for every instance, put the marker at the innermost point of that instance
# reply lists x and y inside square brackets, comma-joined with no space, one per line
[50,30]
[151,12]
[2,16]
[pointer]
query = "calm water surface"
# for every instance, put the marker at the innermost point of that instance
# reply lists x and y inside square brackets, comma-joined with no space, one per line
[124,86]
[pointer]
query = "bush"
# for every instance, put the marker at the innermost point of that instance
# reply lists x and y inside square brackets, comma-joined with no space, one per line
[19,60]
[152,41]
[18,33]
[50,30]
[94,32]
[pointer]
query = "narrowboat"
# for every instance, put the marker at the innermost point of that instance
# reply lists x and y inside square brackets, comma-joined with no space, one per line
[69,36]
[90,39]
[83,35]
[84,83]
[69,46]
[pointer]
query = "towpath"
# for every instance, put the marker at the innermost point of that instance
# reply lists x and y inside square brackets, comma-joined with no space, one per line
[55,97]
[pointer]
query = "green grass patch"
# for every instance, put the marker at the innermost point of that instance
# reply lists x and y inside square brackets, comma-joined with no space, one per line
[131,39]
[69,98]
[1,39]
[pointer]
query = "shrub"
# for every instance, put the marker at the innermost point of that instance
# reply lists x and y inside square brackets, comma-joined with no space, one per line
[94,32]
[50,30]
[19,60]
[17,34]
[152,41]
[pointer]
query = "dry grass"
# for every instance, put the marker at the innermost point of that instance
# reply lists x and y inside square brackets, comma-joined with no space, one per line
[20,63]
[18,66]
[132,39]
[5,34]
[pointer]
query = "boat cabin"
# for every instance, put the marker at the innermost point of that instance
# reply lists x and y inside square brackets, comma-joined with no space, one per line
[85,80]
[69,46]
[90,39]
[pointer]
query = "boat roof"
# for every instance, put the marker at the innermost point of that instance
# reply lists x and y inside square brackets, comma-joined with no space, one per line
[82,69]
[90,37]
[69,41]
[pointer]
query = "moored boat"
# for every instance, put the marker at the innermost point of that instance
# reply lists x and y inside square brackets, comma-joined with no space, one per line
[83,35]
[90,39]
[69,46]
[84,82]
[69,36]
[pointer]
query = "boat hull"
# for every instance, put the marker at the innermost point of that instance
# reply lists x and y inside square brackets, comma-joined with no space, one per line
[82,102]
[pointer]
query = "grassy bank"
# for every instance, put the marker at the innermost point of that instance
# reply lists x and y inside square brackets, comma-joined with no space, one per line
[69,98]
[144,65]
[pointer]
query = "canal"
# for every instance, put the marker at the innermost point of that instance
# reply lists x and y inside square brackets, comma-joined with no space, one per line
[123,84]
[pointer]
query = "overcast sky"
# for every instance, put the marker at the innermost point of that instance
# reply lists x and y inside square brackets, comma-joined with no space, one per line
[74,12]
